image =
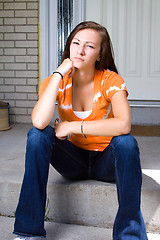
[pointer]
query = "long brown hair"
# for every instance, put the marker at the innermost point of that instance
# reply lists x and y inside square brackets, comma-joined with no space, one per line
[106,52]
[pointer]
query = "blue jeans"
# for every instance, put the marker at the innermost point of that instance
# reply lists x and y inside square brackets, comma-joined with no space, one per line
[119,162]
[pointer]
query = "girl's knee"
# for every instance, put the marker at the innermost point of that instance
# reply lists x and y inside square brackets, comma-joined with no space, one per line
[127,158]
[37,136]
[126,148]
[125,142]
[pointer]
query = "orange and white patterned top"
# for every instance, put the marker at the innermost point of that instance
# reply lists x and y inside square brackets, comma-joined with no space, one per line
[106,84]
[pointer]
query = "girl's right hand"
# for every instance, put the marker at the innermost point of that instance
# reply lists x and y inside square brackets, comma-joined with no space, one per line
[65,67]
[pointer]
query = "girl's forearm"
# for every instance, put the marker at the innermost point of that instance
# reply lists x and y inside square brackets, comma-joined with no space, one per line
[44,108]
[104,127]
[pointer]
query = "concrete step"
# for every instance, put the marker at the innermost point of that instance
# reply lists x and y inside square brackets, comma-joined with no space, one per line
[59,231]
[89,203]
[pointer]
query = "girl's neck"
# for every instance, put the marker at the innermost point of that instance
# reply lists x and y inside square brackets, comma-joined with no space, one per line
[83,77]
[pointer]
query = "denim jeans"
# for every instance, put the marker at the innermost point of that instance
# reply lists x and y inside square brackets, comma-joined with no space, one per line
[119,162]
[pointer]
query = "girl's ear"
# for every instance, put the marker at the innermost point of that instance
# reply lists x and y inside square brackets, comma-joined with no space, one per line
[99,58]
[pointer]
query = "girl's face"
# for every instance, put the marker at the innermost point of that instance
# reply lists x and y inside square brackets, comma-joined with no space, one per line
[85,49]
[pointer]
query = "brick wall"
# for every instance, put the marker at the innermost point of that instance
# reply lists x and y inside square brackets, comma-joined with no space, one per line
[19,57]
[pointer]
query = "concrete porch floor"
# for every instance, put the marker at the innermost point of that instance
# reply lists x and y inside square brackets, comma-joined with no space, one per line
[12,150]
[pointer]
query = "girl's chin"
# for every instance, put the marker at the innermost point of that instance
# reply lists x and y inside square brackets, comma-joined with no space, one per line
[79,65]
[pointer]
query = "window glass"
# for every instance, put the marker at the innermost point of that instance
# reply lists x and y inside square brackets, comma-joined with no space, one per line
[64,24]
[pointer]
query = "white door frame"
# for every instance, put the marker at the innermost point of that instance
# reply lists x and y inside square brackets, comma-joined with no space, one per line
[48,33]
[48,37]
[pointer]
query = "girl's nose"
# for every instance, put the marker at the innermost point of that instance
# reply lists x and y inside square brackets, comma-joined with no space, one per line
[81,50]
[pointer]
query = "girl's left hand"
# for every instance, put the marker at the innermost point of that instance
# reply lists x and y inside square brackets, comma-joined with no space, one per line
[62,130]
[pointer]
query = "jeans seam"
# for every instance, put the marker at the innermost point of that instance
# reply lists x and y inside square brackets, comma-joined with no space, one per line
[118,183]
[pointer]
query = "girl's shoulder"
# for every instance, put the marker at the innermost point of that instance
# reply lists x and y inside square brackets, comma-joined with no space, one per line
[66,80]
[107,76]
[44,85]
[112,82]
[110,76]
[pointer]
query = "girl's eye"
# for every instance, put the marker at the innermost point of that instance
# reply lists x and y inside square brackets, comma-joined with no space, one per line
[76,43]
[90,46]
